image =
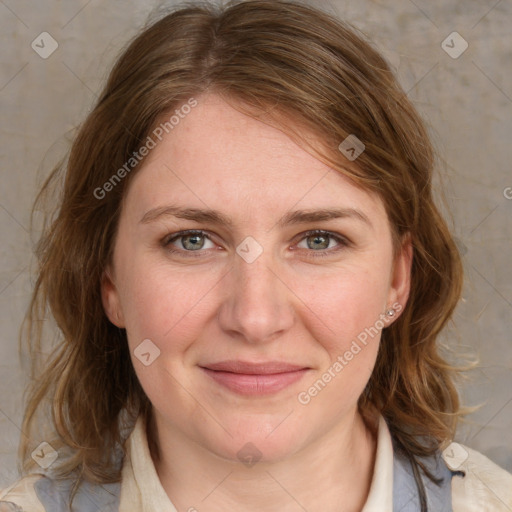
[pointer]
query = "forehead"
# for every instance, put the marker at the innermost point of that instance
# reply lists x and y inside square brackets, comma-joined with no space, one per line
[221,158]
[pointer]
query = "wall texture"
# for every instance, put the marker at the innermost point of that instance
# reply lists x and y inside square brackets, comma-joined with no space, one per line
[464,93]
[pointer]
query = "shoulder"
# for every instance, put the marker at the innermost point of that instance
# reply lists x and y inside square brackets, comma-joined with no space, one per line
[38,493]
[478,484]
[21,496]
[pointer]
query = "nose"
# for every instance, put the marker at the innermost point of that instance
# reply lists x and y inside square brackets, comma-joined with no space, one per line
[258,304]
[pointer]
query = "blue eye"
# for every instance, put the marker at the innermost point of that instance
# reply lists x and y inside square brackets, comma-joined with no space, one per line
[193,241]
[322,240]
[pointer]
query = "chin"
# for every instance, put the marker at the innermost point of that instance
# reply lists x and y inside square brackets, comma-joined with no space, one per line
[257,441]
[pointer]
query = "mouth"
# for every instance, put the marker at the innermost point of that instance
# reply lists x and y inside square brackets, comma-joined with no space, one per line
[253,379]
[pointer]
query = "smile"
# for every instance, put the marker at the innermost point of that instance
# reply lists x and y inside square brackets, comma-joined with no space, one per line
[252,379]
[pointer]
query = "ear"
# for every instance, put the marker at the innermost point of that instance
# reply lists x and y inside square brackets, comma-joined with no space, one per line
[110,299]
[400,285]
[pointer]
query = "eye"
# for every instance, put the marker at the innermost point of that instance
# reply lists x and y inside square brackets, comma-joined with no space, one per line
[190,241]
[320,242]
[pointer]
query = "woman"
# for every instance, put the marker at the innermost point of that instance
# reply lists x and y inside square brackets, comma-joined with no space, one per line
[250,274]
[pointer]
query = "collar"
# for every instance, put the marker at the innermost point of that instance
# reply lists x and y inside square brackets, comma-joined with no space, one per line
[141,488]
[149,494]
[380,496]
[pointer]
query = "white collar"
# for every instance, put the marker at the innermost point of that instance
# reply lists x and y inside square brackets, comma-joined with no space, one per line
[380,496]
[148,494]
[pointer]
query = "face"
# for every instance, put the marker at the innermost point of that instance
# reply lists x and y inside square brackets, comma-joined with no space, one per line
[231,323]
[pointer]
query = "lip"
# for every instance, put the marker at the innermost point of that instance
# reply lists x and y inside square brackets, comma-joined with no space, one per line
[252,379]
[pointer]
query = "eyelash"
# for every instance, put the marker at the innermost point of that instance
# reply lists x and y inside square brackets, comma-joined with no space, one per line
[344,242]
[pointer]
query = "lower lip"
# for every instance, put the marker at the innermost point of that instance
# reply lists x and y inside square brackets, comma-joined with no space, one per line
[246,384]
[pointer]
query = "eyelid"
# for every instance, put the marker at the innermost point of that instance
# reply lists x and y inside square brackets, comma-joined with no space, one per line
[180,234]
[343,241]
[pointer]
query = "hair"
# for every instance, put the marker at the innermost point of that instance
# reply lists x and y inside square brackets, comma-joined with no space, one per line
[307,73]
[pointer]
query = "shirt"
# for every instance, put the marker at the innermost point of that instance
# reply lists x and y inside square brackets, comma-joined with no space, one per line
[477,484]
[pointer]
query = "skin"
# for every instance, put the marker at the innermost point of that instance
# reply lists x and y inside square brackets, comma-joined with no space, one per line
[287,305]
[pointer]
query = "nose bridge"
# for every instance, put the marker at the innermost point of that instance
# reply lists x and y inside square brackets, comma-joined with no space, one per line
[255,278]
[256,306]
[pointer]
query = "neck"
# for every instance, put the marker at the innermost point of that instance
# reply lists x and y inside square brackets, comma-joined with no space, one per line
[332,474]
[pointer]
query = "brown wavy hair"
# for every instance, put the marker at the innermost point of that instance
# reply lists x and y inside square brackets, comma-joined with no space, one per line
[307,72]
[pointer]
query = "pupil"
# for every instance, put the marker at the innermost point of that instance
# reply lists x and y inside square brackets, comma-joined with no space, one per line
[322,240]
[194,239]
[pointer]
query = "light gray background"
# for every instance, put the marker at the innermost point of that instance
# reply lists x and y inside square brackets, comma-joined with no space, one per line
[467,101]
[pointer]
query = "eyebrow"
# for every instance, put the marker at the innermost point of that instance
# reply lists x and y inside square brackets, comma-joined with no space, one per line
[291,218]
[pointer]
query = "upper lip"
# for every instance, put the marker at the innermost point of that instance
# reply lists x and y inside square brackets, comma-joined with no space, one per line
[245,367]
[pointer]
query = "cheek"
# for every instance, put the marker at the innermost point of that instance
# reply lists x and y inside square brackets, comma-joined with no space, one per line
[345,304]
[169,309]
[162,305]
[349,331]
